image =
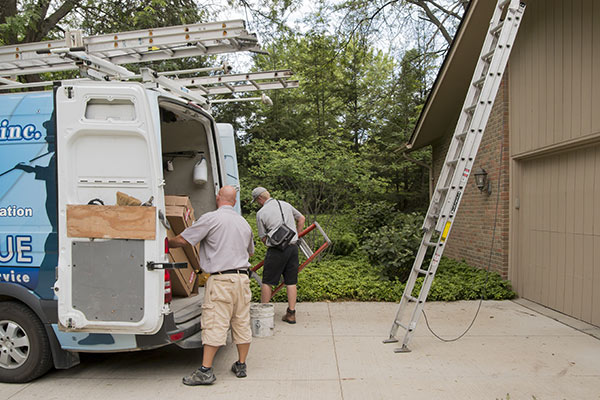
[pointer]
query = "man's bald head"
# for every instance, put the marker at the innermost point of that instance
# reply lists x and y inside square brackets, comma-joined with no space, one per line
[226,196]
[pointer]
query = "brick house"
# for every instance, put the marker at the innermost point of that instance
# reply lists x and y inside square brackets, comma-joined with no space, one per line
[541,150]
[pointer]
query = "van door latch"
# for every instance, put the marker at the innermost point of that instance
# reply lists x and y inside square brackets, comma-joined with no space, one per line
[177,265]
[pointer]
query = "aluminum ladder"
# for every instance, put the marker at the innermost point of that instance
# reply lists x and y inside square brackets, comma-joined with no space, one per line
[120,48]
[459,162]
[101,57]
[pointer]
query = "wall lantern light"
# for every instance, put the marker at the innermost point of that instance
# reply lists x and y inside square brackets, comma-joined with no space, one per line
[482,182]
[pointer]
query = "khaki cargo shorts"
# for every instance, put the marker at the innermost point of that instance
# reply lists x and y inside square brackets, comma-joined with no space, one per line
[226,302]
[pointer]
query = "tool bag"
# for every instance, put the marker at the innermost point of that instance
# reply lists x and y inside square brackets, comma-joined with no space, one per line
[281,236]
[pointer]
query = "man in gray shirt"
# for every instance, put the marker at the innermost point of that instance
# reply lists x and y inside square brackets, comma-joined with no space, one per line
[278,262]
[225,245]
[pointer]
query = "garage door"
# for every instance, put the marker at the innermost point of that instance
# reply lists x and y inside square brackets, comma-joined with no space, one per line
[557,228]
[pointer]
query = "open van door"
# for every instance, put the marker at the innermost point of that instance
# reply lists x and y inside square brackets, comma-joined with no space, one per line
[227,137]
[107,142]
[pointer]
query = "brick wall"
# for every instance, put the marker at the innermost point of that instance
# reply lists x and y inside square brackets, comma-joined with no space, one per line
[471,235]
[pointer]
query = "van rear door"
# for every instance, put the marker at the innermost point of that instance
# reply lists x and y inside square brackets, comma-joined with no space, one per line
[108,143]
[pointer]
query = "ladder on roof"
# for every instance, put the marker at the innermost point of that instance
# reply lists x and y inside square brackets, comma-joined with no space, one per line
[101,57]
[459,162]
[128,47]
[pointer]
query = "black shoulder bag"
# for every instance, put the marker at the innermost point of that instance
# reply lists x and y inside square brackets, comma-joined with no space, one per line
[281,236]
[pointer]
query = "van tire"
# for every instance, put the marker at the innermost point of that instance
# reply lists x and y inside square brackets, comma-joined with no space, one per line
[23,322]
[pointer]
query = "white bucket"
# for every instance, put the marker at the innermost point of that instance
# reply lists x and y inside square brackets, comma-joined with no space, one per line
[261,319]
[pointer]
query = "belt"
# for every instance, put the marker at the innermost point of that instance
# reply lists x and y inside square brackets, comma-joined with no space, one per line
[233,271]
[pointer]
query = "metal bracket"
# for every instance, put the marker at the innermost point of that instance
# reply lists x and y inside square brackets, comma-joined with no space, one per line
[153,266]
[148,75]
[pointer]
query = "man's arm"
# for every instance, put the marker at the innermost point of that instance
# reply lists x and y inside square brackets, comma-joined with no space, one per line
[300,223]
[177,241]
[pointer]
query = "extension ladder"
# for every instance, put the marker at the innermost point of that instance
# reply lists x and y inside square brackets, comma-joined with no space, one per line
[459,162]
[101,57]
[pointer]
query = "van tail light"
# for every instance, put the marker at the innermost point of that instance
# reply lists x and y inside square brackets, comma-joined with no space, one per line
[166,245]
[168,292]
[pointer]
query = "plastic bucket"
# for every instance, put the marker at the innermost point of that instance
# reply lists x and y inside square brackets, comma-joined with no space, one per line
[261,319]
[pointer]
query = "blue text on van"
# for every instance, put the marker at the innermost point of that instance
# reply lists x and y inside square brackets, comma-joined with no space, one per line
[18,132]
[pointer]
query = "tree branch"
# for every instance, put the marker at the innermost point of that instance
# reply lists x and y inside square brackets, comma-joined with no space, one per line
[432,18]
[33,27]
[50,22]
[444,10]
[8,8]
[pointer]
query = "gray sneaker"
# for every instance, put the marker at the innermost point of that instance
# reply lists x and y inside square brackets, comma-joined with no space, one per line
[200,378]
[239,369]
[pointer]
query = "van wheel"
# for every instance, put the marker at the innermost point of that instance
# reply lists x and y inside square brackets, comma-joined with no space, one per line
[24,347]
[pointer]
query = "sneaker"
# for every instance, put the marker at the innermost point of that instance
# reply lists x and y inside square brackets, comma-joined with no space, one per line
[290,316]
[198,377]
[239,369]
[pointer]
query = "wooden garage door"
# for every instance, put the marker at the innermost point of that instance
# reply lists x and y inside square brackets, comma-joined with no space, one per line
[558,232]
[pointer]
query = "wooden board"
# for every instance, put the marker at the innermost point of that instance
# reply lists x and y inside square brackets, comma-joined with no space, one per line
[111,222]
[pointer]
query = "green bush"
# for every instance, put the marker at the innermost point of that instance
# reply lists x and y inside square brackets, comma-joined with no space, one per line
[393,247]
[370,216]
[345,244]
[356,280]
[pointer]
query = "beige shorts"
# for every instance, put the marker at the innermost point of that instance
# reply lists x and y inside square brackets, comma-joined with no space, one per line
[226,302]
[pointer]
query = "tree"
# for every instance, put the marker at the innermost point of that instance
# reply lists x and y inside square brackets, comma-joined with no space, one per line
[402,19]
[408,186]
[31,21]
[319,176]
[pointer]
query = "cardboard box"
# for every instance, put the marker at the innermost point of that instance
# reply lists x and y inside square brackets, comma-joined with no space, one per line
[183,280]
[182,201]
[181,215]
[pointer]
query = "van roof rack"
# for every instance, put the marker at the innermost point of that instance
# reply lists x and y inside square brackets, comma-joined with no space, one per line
[101,57]
[127,47]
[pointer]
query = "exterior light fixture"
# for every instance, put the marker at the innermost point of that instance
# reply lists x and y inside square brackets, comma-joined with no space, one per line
[482,182]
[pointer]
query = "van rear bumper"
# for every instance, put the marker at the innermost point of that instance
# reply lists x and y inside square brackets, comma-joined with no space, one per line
[169,333]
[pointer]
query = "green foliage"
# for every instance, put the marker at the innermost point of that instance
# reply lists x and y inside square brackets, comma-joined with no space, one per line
[27,20]
[315,176]
[393,247]
[345,244]
[351,279]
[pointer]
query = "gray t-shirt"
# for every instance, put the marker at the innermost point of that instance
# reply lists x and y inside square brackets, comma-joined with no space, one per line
[269,218]
[225,240]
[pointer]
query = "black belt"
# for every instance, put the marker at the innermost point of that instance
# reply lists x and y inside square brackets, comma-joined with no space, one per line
[233,271]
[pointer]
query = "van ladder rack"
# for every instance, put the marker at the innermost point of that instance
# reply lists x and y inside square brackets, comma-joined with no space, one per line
[101,58]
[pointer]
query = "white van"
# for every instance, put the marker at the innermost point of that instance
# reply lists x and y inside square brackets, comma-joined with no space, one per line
[62,294]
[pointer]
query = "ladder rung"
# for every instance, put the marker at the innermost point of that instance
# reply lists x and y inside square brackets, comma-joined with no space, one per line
[503,3]
[452,162]
[430,244]
[497,28]
[401,325]
[462,135]
[444,189]
[470,109]
[422,271]
[411,298]
[479,82]
[488,55]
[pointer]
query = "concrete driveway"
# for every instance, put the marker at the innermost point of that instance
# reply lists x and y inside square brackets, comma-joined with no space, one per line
[336,352]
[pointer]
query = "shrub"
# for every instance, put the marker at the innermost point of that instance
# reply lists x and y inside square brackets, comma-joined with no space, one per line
[350,279]
[345,244]
[393,247]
